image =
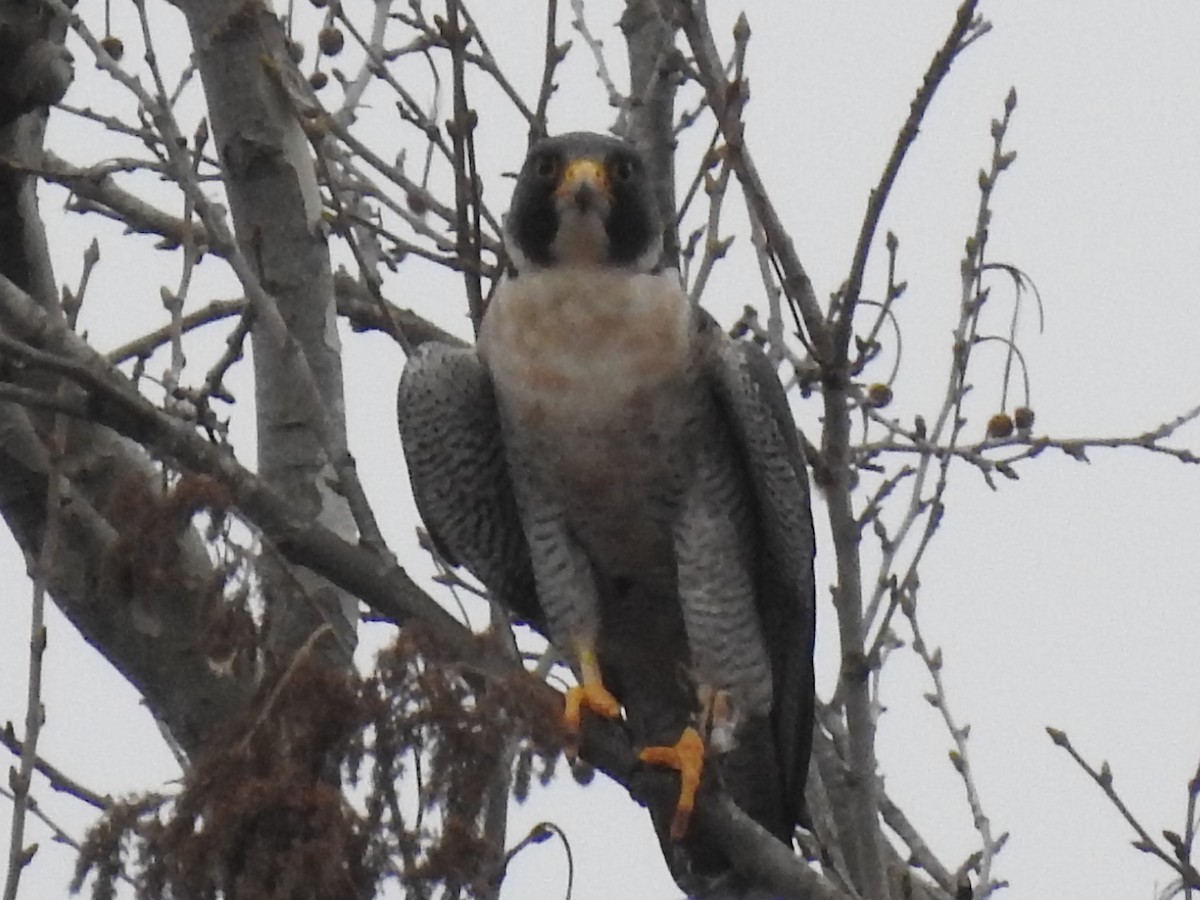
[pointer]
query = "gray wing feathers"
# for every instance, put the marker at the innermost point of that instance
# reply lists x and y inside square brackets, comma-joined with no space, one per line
[715,547]
[750,395]
[450,430]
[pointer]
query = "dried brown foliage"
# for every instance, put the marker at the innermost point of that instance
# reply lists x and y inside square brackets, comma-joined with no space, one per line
[267,815]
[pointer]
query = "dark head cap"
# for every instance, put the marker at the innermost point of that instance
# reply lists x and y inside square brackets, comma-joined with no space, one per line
[583,199]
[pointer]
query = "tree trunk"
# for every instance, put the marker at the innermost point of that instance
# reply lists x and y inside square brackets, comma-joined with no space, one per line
[147,630]
[270,180]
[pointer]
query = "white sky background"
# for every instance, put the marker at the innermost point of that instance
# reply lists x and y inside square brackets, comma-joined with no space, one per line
[1067,599]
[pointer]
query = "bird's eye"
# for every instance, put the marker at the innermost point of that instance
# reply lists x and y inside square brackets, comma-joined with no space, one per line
[623,169]
[546,167]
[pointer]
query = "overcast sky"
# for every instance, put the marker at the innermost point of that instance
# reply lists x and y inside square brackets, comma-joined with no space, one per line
[1068,598]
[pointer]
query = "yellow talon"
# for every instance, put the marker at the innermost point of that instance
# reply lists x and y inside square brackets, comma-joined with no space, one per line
[591,693]
[592,696]
[687,757]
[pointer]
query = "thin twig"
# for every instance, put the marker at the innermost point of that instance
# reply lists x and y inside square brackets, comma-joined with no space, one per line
[538,834]
[965,29]
[950,421]
[332,440]
[1189,828]
[959,757]
[795,281]
[58,779]
[372,67]
[715,247]
[1145,843]
[21,781]
[615,99]
[554,56]
[918,848]
[485,61]
[466,180]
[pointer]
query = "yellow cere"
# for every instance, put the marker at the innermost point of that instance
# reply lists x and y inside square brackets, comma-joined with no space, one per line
[583,171]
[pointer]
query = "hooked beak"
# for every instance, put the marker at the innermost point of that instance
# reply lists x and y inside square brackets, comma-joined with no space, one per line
[584,184]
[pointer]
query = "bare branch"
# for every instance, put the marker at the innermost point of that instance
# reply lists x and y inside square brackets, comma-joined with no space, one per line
[615,99]
[58,779]
[960,756]
[468,238]
[795,281]
[967,27]
[1104,779]
[21,780]
[555,54]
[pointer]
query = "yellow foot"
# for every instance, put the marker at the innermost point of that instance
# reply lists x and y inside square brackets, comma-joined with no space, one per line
[592,695]
[687,757]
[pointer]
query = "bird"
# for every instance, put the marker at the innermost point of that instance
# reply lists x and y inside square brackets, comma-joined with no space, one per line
[628,479]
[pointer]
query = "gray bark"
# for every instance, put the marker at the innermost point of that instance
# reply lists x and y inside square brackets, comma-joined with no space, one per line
[148,635]
[270,180]
[649,119]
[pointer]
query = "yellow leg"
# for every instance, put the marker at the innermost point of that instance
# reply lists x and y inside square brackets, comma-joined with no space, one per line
[591,694]
[716,716]
[687,757]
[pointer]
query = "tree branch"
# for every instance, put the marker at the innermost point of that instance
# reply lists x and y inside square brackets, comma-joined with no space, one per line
[966,29]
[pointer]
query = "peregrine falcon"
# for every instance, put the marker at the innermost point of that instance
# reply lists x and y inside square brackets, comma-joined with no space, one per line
[626,478]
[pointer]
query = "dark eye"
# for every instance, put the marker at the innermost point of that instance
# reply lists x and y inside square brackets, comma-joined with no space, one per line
[546,167]
[623,169]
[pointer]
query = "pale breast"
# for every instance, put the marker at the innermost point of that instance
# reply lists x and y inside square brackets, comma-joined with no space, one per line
[580,348]
[594,371]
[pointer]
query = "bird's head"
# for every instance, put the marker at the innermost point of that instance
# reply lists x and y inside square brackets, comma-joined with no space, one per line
[583,199]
